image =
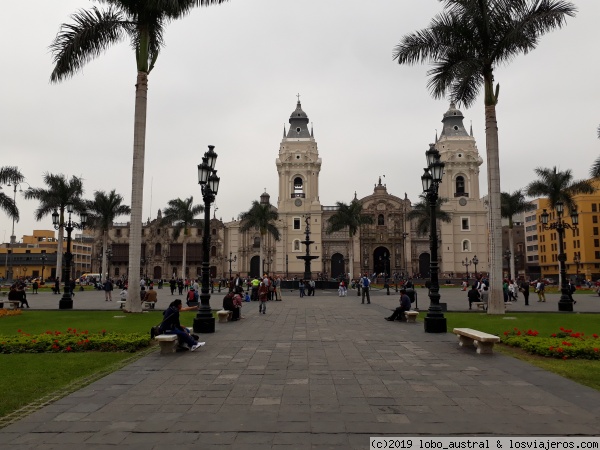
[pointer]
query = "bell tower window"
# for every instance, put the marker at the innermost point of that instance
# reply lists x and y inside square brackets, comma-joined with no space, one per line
[460,187]
[380,220]
[298,188]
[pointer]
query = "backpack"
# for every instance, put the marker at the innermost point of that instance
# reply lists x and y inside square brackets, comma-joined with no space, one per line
[366,282]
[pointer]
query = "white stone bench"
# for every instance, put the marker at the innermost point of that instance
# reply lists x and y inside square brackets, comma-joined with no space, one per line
[223,315]
[12,304]
[411,316]
[149,305]
[167,342]
[480,305]
[121,303]
[484,342]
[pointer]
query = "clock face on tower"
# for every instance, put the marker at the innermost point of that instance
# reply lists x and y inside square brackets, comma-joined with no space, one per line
[298,202]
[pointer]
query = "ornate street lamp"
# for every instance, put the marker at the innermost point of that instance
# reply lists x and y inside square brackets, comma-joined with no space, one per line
[566,302]
[13,238]
[209,184]
[230,260]
[577,261]
[435,322]
[475,261]
[43,258]
[467,263]
[66,301]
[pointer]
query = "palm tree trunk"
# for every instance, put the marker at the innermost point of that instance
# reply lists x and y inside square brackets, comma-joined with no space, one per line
[261,268]
[496,300]
[351,259]
[137,192]
[511,247]
[104,259]
[184,257]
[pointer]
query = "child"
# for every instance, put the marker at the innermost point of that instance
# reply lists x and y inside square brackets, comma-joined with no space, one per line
[262,298]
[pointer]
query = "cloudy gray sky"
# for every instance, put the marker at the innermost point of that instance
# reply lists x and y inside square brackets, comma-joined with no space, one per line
[229,76]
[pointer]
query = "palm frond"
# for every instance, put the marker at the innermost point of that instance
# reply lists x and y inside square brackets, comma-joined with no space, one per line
[595,169]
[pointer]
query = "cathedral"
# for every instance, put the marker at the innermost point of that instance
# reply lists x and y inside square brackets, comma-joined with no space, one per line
[389,245]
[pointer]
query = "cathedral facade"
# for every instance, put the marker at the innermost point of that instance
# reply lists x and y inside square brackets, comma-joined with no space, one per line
[390,245]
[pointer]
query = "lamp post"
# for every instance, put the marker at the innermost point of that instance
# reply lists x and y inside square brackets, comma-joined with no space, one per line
[435,322]
[507,254]
[577,261]
[143,264]
[66,301]
[13,238]
[467,263]
[566,302]
[230,260]
[43,258]
[475,261]
[108,258]
[209,184]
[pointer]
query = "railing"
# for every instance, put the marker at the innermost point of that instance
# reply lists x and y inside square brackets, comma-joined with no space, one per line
[298,195]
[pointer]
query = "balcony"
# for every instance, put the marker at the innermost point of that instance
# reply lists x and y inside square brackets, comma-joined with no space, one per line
[298,195]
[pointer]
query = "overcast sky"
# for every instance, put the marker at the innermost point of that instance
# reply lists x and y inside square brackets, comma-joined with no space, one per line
[229,75]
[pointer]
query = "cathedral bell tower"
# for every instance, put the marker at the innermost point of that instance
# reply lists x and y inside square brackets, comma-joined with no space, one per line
[466,236]
[298,167]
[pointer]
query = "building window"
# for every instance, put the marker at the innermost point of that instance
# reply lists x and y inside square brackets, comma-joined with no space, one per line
[380,220]
[595,231]
[596,242]
[296,245]
[214,231]
[213,251]
[256,242]
[158,231]
[466,245]
[117,273]
[298,187]
[118,232]
[157,249]
[296,223]
[198,231]
[464,224]
[460,186]
[594,219]
[594,207]
[597,255]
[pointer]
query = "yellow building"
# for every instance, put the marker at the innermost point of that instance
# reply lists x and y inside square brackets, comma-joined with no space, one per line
[581,245]
[35,256]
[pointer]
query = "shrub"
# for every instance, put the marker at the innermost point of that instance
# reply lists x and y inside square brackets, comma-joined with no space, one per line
[73,341]
[10,312]
[564,344]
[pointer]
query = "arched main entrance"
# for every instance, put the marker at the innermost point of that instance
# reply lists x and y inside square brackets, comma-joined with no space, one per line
[381,261]
[424,262]
[157,273]
[255,266]
[338,267]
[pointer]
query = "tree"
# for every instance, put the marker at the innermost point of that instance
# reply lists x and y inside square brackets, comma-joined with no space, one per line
[465,43]
[260,217]
[56,196]
[558,186]
[421,213]
[511,205]
[92,32]
[349,216]
[10,175]
[595,169]
[180,214]
[102,212]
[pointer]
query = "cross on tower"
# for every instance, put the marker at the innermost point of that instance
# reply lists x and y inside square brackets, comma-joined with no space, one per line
[298,95]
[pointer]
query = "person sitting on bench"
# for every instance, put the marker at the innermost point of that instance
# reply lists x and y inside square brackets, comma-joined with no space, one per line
[404,306]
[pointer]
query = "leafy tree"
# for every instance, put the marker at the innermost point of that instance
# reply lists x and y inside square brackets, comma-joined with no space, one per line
[421,213]
[10,175]
[260,217]
[465,44]
[349,216]
[90,34]
[102,212]
[180,214]
[56,196]
[511,205]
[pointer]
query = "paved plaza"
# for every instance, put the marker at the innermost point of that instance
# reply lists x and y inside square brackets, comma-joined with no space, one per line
[319,372]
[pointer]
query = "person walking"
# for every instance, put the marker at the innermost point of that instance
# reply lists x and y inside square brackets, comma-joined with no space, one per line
[263,291]
[311,283]
[301,288]
[108,288]
[525,291]
[278,289]
[35,287]
[56,289]
[540,288]
[365,284]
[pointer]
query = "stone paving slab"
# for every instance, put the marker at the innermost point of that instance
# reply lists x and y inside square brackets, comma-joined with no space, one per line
[313,373]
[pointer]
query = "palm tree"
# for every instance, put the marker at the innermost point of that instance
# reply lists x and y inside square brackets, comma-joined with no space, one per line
[56,196]
[260,217]
[421,213]
[351,217]
[10,175]
[465,43]
[180,214]
[595,169]
[102,212]
[558,186]
[92,32]
[513,204]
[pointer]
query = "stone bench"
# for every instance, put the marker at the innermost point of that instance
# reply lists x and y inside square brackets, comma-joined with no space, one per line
[224,316]
[411,316]
[149,305]
[121,303]
[484,342]
[12,304]
[167,342]
[480,305]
